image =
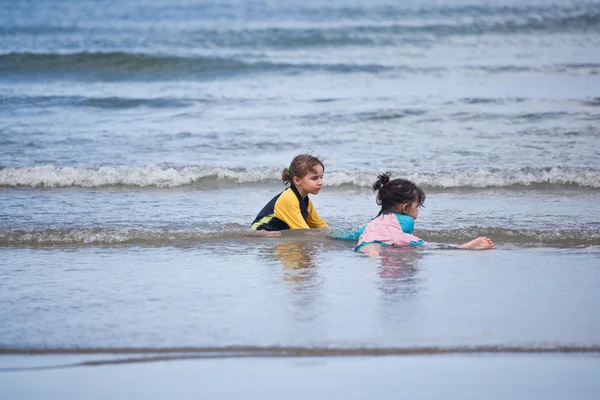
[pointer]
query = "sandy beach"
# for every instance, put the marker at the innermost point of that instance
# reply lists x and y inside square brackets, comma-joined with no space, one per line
[400,377]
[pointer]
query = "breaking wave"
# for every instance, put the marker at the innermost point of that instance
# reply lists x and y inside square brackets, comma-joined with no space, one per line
[50,176]
[111,236]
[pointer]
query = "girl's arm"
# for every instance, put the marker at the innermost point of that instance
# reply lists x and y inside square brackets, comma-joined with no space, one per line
[313,220]
[372,249]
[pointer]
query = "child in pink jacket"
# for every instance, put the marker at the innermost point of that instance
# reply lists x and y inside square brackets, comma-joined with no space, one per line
[400,200]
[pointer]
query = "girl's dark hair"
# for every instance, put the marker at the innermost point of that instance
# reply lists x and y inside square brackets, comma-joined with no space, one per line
[396,191]
[300,166]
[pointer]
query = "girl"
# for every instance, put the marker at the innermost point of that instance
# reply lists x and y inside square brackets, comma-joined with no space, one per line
[292,209]
[400,200]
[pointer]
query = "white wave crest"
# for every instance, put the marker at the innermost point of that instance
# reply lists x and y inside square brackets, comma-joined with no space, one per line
[556,176]
[56,177]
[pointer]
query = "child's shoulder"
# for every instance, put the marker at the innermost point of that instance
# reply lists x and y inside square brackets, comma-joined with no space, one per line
[287,198]
[407,223]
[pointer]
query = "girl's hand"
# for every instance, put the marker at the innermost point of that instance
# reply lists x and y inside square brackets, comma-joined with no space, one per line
[480,243]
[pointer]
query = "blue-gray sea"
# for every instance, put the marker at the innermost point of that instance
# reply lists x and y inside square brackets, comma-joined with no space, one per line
[140,138]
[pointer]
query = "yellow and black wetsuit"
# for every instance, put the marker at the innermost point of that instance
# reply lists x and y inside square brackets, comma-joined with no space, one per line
[288,210]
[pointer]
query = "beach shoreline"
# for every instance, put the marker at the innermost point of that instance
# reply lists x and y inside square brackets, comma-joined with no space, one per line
[497,376]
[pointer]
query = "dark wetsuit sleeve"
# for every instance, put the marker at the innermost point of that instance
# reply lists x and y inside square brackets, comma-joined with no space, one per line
[287,210]
[313,220]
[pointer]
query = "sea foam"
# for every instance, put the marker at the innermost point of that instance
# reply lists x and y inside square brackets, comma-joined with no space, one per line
[50,176]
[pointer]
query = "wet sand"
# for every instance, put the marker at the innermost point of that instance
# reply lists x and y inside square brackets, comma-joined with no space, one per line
[489,376]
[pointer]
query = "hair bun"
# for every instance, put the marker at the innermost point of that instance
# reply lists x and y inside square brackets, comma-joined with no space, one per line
[382,179]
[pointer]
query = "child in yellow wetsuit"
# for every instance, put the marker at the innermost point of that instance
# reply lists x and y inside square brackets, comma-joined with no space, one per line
[292,209]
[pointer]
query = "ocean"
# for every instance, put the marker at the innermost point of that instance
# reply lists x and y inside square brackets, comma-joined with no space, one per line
[139,139]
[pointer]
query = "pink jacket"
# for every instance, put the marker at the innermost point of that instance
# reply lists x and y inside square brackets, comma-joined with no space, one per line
[390,229]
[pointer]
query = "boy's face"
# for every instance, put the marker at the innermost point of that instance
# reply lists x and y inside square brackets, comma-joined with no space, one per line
[311,183]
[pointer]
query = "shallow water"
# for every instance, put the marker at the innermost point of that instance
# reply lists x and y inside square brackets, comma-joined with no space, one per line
[297,292]
[198,214]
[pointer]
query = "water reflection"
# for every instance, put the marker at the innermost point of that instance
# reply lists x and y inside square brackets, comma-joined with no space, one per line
[399,272]
[303,281]
[297,260]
